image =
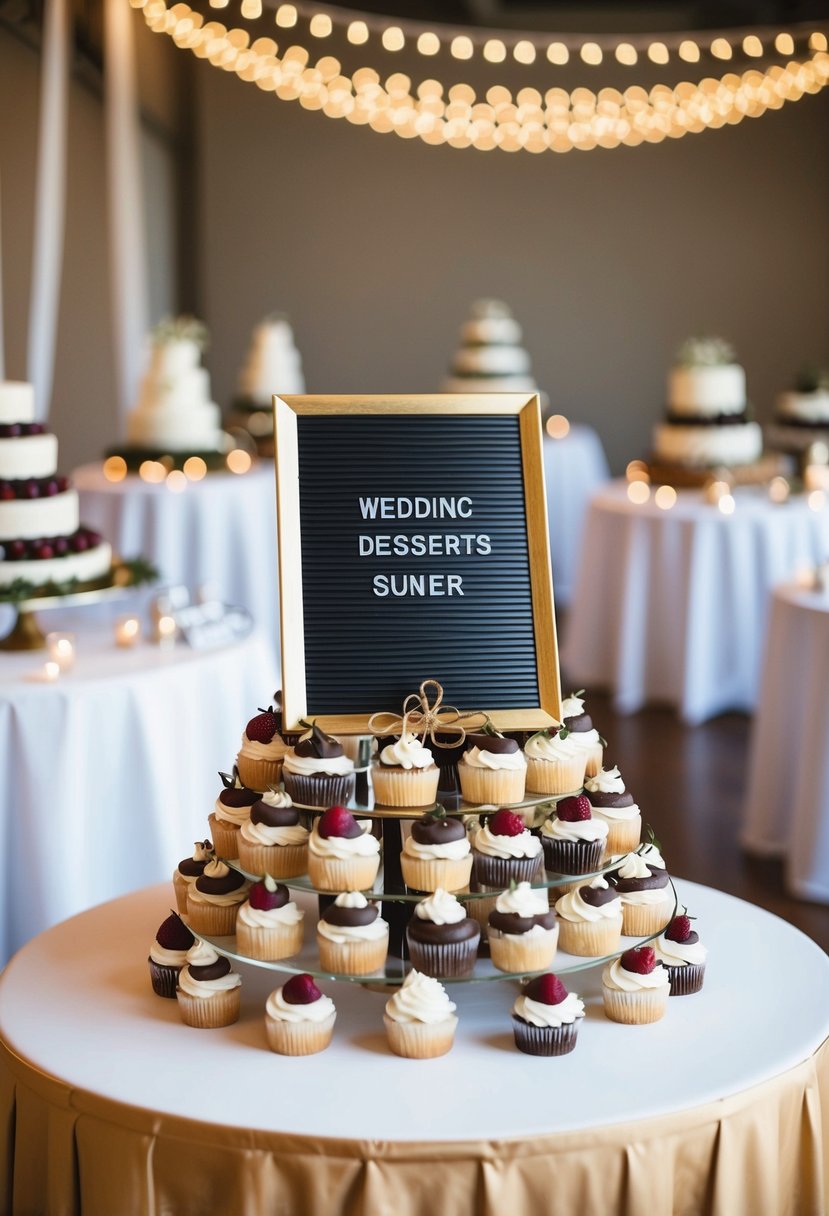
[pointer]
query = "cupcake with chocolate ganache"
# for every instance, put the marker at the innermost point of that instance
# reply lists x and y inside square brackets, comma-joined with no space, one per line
[437,853]
[273,841]
[612,803]
[405,773]
[555,762]
[647,895]
[342,853]
[545,1017]
[214,899]
[317,773]
[269,924]
[188,870]
[263,750]
[585,735]
[209,993]
[442,939]
[493,768]
[168,955]
[352,937]
[504,851]
[299,1019]
[231,810]
[523,930]
[682,954]
[573,840]
[590,919]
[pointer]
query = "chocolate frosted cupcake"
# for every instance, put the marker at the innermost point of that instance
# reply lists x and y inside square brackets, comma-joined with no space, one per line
[590,919]
[405,773]
[273,841]
[317,773]
[442,939]
[612,803]
[168,955]
[585,736]
[493,768]
[214,898]
[231,810]
[437,853]
[545,1017]
[188,870]
[573,840]
[504,851]
[209,994]
[683,956]
[647,895]
[523,931]
[352,937]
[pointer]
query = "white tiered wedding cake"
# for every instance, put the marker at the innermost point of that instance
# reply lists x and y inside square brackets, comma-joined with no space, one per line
[272,365]
[802,413]
[490,358]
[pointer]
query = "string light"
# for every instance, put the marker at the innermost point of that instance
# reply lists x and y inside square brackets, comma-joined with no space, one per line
[286,16]
[393,38]
[462,47]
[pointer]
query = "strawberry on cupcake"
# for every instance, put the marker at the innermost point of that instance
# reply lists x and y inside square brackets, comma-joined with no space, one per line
[263,750]
[573,840]
[545,1017]
[342,853]
[682,954]
[504,850]
[168,955]
[635,987]
[269,923]
[299,1019]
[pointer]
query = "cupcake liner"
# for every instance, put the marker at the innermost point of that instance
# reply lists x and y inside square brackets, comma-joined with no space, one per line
[225,836]
[498,871]
[635,1008]
[180,886]
[268,944]
[299,1038]
[544,1040]
[259,774]
[427,874]
[687,980]
[278,860]
[405,787]
[444,960]
[589,939]
[320,791]
[164,978]
[643,920]
[484,785]
[352,957]
[594,760]
[209,1012]
[572,856]
[214,920]
[622,835]
[555,776]
[518,952]
[333,874]
[420,1040]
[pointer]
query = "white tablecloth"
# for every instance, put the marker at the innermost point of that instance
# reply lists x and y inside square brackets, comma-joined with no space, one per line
[574,468]
[219,531]
[670,605]
[109,774]
[787,804]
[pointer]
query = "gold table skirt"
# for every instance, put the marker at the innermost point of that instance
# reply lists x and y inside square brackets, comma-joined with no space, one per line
[66,1152]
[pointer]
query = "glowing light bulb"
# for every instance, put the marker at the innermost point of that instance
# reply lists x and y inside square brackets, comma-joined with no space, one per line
[524,52]
[494,51]
[784,44]
[462,47]
[393,38]
[658,52]
[817,500]
[626,54]
[286,16]
[176,481]
[637,470]
[357,33]
[152,471]
[779,489]
[115,468]
[557,426]
[818,41]
[591,53]
[665,497]
[320,25]
[558,53]
[639,492]
[752,46]
[194,468]
[428,43]
[238,461]
[726,504]
[689,51]
[721,48]
[251,9]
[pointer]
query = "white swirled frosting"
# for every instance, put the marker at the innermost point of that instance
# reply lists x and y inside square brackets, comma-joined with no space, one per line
[167,958]
[606,781]
[268,918]
[420,999]
[492,845]
[262,833]
[339,934]
[552,748]
[615,976]
[539,1014]
[477,757]
[236,815]
[218,869]
[281,1010]
[255,750]
[680,954]
[574,907]
[523,901]
[440,908]
[344,847]
[450,850]
[407,752]
[311,766]
[586,830]
[636,865]
[201,954]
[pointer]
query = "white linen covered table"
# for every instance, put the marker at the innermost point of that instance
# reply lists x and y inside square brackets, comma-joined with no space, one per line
[670,605]
[219,531]
[787,805]
[574,468]
[108,775]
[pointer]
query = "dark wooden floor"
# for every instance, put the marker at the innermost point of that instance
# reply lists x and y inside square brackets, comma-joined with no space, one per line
[690,785]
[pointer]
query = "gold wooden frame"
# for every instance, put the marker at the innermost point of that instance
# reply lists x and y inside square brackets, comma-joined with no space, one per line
[292,628]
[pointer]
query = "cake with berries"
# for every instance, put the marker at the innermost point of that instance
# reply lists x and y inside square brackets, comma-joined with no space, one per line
[436,853]
[342,853]
[168,954]
[352,937]
[505,851]
[523,930]
[420,1019]
[545,1017]
[682,954]
[493,768]
[316,771]
[263,750]
[556,764]
[572,839]
[231,809]
[405,774]
[299,1018]
[612,803]
[442,939]
[209,993]
[490,358]
[42,542]
[590,919]
[269,923]
[635,987]
[272,840]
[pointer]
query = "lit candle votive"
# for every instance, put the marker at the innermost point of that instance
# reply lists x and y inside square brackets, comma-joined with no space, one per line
[61,648]
[127,631]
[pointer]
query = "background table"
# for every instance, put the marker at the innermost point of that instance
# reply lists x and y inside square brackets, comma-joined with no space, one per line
[574,468]
[219,531]
[108,775]
[671,605]
[114,1105]
[787,804]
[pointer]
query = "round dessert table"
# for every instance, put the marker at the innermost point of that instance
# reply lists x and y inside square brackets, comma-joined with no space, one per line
[109,773]
[670,605]
[786,810]
[574,468]
[220,531]
[111,1104]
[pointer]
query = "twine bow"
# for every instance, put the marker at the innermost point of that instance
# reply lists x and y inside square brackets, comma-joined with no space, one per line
[422,717]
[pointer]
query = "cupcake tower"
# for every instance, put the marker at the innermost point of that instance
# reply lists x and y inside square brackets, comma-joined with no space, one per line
[483,880]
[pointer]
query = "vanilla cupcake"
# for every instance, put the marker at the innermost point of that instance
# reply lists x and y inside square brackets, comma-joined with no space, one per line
[523,930]
[209,994]
[683,956]
[263,749]
[590,920]
[573,840]
[352,937]
[188,870]
[505,851]
[580,725]
[555,762]
[545,1017]
[317,773]
[647,895]
[405,774]
[273,841]
[214,899]
[299,1019]
[610,802]
[493,769]
[231,810]
[635,988]
[442,939]
[437,853]
[420,1019]
[342,853]
[269,924]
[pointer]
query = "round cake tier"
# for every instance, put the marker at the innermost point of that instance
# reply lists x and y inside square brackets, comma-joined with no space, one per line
[804,409]
[24,456]
[705,392]
[17,401]
[491,361]
[30,518]
[86,567]
[707,446]
[189,428]
[489,384]
[491,331]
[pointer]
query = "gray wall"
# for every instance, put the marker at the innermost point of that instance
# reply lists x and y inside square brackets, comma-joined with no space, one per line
[376,246]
